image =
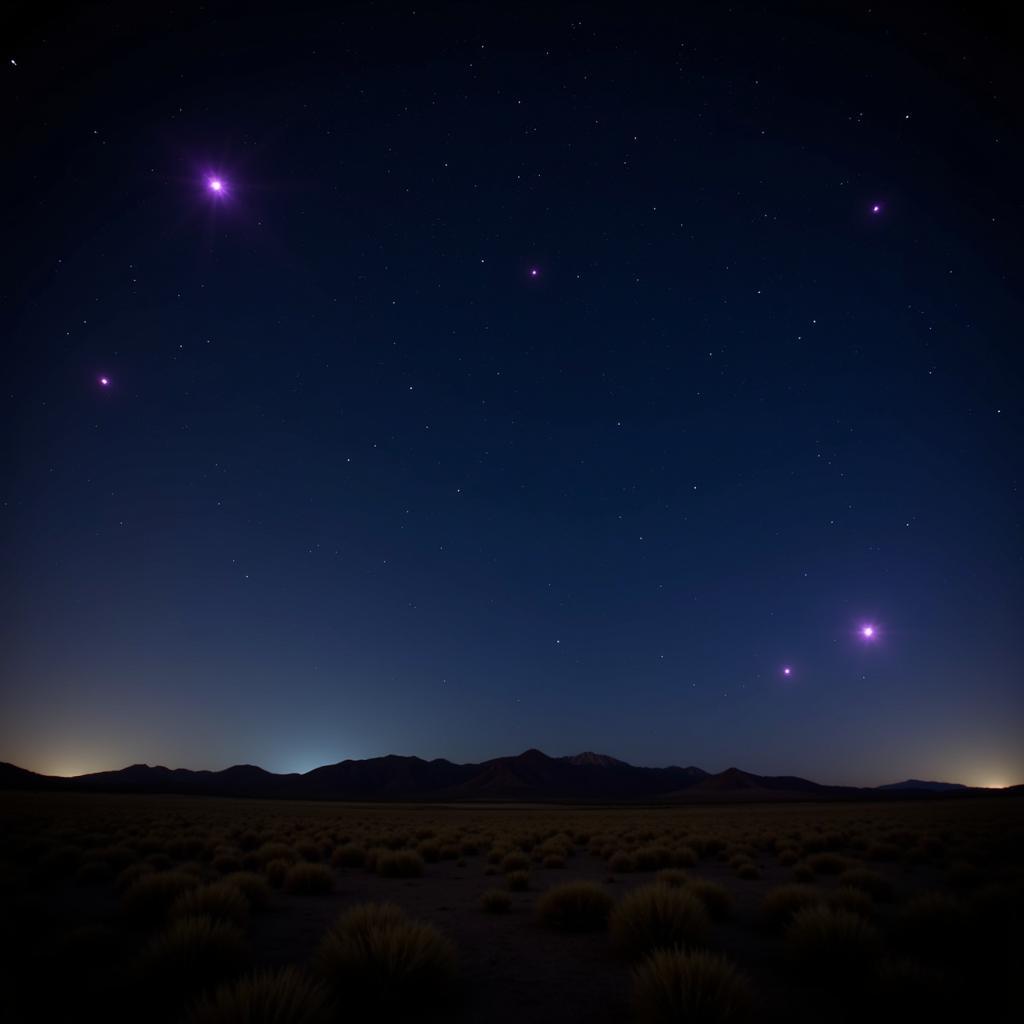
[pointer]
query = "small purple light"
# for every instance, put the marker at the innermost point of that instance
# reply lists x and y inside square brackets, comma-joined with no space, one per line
[534,272]
[877,208]
[868,632]
[216,185]
[787,671]
[104,382]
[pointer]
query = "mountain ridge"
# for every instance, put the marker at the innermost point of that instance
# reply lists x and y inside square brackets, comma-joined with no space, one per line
[531,776]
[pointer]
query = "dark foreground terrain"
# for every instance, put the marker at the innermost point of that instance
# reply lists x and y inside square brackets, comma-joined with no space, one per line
[163,908]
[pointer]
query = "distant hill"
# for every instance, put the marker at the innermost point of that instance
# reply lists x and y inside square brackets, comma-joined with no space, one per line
[530,776]
[934,787]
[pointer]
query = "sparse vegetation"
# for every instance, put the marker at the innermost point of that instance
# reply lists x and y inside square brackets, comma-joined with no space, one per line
[657,917]
[286,996]
[925,900]
[675,986]
[831,944]
[192,954]
[309,879]
[575,907]
[375,957]
[496,901]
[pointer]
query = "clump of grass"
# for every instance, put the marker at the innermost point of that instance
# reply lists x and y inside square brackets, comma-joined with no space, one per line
[554,860]
[252,886]
[716,898]
[518,881]
[276,872]
[151,895]
[656,917]
[349,856]
[574,907]
[673,986]
[309,879]
[514,861]
[192,954]
[684,857]
[875,885]
[621,862]
[495,901]
[781,904]
[933,925]
[221,901]
[831,944]
[399,864]
[747,870]
[826,863]
[674,878]
[284,996]
[376,957]
[856,901]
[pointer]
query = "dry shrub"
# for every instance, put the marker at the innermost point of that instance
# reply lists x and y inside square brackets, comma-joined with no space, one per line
[152,895]
[831,944]
[716,898]
[252,886]
[276,872]
[308,879]
[514,861]
[871,882]
[672,877]
[377,958]
[574,907]
[932,925]
[284,996]
[221,901]
[518,881]
[349,856]
[781,904]
[192,954]
[673,986]
[856,901]
[684,857]
[495,901]
[554,860]
[399,864]
[658,917]
[826,863]
[651,858]
[621,862]
[747,870]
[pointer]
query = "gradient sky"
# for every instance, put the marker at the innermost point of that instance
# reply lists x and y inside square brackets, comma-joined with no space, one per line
[551,378]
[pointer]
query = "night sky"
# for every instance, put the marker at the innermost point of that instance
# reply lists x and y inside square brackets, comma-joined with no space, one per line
[551,377]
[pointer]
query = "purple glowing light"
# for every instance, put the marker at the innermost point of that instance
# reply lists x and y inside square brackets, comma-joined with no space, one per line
[877,208]
[216,185]
[787,671]
[534,272]
[868,632]
[104,382]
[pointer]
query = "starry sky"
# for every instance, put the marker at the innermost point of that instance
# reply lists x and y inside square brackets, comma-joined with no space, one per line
[556,375]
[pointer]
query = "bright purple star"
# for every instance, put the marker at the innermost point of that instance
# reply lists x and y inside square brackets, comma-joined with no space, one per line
[877,208]
[534,272]
[216,185]
[104,382]
[868,631]
[787,671]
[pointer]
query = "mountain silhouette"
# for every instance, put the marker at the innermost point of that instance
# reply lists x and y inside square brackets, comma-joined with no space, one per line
[530,776]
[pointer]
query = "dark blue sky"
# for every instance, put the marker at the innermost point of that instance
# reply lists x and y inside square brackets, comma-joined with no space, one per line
[361,482]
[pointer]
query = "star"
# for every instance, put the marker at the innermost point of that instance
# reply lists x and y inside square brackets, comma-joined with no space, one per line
[868,631]
[534,272]
[216,185]
[877,208]
[787,671]
[104,382]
